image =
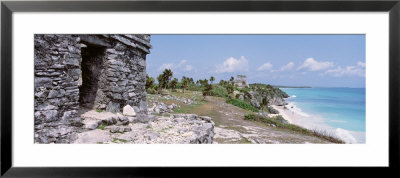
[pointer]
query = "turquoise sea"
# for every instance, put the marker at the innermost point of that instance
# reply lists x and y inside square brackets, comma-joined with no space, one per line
[339,107]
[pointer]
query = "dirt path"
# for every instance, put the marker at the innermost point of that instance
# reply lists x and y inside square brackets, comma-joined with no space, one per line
[232,128]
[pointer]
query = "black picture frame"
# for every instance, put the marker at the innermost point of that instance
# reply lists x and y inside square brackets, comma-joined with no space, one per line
[8,7]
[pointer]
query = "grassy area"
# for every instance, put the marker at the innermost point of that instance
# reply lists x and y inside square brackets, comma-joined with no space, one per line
[157,114]
[188,108]
[280,122]
[116,140]
[99,110]
[102,126]
[245,141]
[219,91]
[242,104]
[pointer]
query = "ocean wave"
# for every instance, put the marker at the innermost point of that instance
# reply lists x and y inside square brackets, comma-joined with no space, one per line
[315,122]
[345,135]
[293,96]
[291,106]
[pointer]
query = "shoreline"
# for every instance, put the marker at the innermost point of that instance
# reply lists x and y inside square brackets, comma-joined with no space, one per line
[296,116]
[292,114]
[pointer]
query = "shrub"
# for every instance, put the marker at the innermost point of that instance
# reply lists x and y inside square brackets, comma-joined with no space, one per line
[250,117]
[149,81]
[237,96]
[245,89]
[280,122]
[207,90]
[102,126]
[219,91]
[242,104]
[151,91]
[193,87]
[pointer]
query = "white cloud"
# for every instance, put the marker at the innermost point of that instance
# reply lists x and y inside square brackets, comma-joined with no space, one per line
[181,66]
[286,67]
[311,64]
[361,64]
[358,70]
[233,65]
[166,66]
[266,66]
[181,63]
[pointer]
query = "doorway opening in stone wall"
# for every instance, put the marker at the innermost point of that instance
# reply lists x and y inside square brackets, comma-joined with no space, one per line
[91,67]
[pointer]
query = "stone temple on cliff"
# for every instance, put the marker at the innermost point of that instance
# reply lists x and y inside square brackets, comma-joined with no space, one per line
[241,81]
[72,72]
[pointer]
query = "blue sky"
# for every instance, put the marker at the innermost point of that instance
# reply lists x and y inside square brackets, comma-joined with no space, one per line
[295,60]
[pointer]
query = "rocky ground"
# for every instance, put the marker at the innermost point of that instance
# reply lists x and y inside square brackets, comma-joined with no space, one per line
[184,118]
[107,127]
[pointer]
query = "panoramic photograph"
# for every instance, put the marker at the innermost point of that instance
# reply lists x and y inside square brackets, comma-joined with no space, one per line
[199,89]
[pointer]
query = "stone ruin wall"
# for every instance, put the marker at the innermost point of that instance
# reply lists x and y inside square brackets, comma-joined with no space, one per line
[241,81]
[86,71]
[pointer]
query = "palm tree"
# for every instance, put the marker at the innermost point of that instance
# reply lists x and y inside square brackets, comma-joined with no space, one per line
[173,84]
[160,81]
[185,83]
[204,82]
[232,80]
[207,89]
[149,81]
[191,81]
[166,76]
[212,79]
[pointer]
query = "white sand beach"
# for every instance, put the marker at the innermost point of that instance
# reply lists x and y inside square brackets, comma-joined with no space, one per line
[295,115]
[292,114]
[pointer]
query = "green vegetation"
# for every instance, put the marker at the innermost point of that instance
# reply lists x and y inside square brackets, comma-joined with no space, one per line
[245,141]
[149,81]
[269,90]
[157,114]
[173,84]
[102,126]
[262,93]
[219,91]
[242,104]
[188,108]
[99,110]
[281,86]
[207,90]
[100,143]
[250,117]
[212,79]
[264,103]
[184,83]
[116,140]
[280,122]
[194,87]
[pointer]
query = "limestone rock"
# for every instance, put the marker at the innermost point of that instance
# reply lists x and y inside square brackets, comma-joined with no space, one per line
[128,111]
[117,129]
